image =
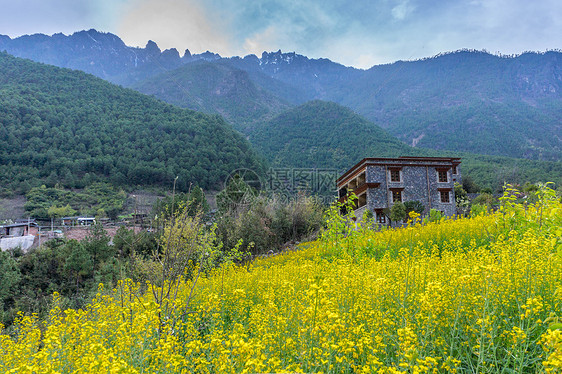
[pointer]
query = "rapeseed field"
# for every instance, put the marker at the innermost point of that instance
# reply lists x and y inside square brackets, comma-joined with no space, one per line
[470,295]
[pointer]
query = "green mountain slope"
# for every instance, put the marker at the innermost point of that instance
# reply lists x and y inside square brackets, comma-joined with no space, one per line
[321,134]
[68,127]
[465,101]
[217,88]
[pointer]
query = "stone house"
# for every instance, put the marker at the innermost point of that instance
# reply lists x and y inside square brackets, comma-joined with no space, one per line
[380,182]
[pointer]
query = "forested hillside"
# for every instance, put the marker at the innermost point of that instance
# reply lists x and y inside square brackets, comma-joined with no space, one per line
[322,134]
[69,128]
[217,88]
[467,101]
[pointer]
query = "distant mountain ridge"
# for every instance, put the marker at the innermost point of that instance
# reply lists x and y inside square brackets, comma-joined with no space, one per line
[104,55]
[467,101]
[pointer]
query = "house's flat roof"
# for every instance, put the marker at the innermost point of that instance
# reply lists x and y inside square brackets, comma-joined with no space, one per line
[25,220]
[403,160]
[20,224]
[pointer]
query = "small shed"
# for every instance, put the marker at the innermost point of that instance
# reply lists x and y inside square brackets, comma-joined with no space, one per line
[69,221]
[78,221]
[86,221]
[19,229]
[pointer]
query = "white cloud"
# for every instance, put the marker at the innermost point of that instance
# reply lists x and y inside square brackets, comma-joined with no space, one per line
[366,60]
[402,10]
[262,41]
[274,37]
[175,24]
[54,16]
[296,26]
[356,33]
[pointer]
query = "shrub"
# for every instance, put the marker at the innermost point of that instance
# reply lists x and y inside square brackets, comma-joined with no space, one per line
[414,206]
[435,215]
[398,211]
[462,202]
[266,223]
[486,199]
[478,209]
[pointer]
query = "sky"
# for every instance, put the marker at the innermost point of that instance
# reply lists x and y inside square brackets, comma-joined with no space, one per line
[359,33]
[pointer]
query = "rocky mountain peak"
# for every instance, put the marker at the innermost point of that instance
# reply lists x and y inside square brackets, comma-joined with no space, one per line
[4,39]
[171,53]
[152,48]
[207,56]
[278,58]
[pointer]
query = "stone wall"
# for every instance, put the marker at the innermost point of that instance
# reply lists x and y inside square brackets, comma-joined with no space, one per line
[24,242]
[377,198]
[416,183]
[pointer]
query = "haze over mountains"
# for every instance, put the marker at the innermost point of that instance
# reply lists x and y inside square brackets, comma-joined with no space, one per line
[462,101]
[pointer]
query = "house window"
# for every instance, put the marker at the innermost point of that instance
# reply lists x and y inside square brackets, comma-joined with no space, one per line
[454,170]
[443,176]
[343,192]
[395,175]
[396,196]
[362,200]
[445,196]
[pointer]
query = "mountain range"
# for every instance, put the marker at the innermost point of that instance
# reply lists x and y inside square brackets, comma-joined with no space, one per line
[463,101]
[468,101]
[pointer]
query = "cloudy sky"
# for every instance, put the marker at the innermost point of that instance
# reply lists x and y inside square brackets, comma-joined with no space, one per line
[360,33]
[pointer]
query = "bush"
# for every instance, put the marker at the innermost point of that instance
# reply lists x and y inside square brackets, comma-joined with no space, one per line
[398,211]
[126,242]
[9,276]
[478,209]
[44,203]
[414,206]
[469,185]
[267,223]
[195,200]
[486,199]
[462,202]
[435,215]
